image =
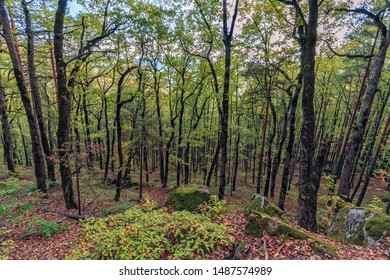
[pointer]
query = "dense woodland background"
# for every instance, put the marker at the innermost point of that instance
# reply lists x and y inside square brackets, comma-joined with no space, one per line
[266,97]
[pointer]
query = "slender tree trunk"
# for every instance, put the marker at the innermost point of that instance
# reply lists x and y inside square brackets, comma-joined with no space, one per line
[119,104]
[269,152]
[373,161]
[87,128]
[370,146]
[341,158]
[290,143]
[358,135]
[7,138]
[36,95]
[38,156]
[236,155]
[261,156]
[227,41]
[277,158]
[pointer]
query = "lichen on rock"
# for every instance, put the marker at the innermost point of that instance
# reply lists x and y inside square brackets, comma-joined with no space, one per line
[357,225]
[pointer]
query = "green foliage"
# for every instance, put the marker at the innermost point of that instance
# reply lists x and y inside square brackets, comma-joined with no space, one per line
[375,205]
[213,209]
[188,197]
[5,247]
[11,187]
[46,228]
[117,207]
[145,233]
[11,211]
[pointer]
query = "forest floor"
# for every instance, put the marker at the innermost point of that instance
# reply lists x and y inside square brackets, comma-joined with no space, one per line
[33,227]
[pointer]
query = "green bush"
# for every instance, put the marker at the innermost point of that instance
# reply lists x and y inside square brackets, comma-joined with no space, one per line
[213,209]
[11,187]
[117,207]
[46,228]
[145,233]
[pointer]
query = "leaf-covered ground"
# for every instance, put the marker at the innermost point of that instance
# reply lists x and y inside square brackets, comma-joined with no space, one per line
[21,237]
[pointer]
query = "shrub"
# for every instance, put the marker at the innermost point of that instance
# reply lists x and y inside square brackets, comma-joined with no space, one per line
[46,228]
[212,209]
[117,207]
[145,233]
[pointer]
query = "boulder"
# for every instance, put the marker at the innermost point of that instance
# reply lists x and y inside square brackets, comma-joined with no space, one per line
[258,223]
[188,197]
[360,226]
[261,204]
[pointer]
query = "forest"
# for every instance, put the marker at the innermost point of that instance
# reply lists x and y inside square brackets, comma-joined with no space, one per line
[194,129]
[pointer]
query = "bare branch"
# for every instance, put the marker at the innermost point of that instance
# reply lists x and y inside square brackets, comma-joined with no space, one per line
[346,54]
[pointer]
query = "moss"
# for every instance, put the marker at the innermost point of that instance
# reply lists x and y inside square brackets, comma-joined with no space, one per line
[377,225]
[262,205]
[188,197]
[274,210]
[317,246]
[256,225]
[347,232]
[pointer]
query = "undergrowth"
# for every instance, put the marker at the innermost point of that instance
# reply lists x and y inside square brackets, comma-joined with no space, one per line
[144,232]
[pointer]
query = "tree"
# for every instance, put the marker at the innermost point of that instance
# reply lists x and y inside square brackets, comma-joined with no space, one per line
[37,151]
[358,134]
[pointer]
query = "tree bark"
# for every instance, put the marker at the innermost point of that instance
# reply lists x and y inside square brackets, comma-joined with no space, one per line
[307,199]
[227,42]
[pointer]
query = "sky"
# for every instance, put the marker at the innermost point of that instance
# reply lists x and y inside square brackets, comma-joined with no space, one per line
[74,7]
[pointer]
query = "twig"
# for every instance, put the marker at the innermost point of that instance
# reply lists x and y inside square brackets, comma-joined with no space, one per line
[72,216]
[265,249]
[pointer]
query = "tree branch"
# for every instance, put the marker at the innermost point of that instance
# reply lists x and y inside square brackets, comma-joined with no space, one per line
[346,54]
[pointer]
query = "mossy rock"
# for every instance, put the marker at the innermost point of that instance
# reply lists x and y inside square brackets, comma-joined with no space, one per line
[258,222]
[188,197]
[358,226]
[348,225]
[376,226]
[256,225]
[261,204]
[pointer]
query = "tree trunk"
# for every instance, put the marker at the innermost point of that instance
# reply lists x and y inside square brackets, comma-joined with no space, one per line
[38,156]
[290,143]
[36,95]
[373,161]
[227,42]
[269,152]
[7,138]
[307,199]
[358,135]
[277,158]
[64,108]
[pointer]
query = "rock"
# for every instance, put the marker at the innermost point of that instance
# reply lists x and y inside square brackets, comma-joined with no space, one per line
[256,225]
[259,222]
[358,226]
[261,204]
[188,197]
